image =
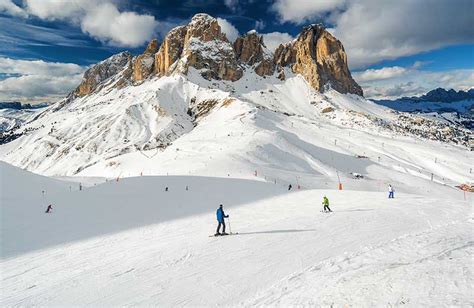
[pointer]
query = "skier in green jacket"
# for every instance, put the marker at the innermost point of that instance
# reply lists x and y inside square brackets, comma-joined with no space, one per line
[326,204]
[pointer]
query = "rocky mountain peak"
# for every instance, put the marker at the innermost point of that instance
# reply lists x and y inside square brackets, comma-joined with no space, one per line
[205,28]
[251,50]
[207,49]
[152,47]
[170,51]
[102,71]
[320,58]
[315,54]
[144,64]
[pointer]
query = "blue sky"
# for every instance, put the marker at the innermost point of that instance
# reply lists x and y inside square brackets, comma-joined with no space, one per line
[395,48]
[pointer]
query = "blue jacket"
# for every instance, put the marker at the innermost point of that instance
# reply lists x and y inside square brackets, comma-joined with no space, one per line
[221,215]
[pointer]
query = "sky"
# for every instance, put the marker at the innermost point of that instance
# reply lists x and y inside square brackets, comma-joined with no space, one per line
[395,48]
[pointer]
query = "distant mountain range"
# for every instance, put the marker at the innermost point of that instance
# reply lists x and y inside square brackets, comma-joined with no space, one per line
[443,95]
[20,106]
[455,107]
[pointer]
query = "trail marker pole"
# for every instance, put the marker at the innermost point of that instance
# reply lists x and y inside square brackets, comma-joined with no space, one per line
[230,229]
[339,180]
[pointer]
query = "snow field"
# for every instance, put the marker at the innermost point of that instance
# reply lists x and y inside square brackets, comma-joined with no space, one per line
[132,243]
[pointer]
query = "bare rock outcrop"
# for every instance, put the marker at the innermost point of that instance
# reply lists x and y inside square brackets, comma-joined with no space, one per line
[207,49]
[170,51]
[102,71]
[320,58]
[144,63]
[315,54]
[250,50]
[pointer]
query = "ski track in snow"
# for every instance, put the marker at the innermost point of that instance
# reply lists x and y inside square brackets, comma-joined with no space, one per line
[416,269]
[371,251]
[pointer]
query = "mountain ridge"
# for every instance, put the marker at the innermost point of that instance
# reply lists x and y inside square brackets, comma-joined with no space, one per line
[185,120]
[201,44]
[439,95]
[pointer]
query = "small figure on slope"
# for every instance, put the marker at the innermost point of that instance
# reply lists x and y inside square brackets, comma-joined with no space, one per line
[166,189]
[49,209]
[390,191]
[220,219]
[290,187]
[326,204]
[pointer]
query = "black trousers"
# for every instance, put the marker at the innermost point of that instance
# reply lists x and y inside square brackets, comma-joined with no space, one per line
[327,207]
[219,227]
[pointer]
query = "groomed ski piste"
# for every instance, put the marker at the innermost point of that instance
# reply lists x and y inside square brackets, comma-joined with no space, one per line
[132,243]
[124,241]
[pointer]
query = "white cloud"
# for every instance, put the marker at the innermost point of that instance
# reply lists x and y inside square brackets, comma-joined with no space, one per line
[299,11]
[394,82]
[38,67]
[231,4]
[34,88]
[375,30]
[274,39]
[260,24]
[10,8]
[107,24]
[38,80]
[230,31]
[58,9]
[101,19]
[378,74]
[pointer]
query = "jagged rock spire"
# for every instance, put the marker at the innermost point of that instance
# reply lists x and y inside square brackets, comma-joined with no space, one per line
[315,54]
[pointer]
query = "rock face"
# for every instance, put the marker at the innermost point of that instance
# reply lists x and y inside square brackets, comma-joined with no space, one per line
[207,49]
[102,71]
[170,51]
[144,64]
[320,58]
[251,50]
[201,44]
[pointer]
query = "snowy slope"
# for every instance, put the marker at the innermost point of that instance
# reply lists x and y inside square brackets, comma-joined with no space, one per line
[460,113]
[282,129]
[132,243]
[9,118]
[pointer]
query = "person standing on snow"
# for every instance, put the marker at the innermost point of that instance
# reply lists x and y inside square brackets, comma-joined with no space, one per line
[220,219]
[290,187]
[49,209]
[390,192]
[326,204]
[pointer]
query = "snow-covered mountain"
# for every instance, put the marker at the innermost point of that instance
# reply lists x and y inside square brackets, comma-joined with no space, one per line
[196,104]
[14,114]
[455,107]
[157,141]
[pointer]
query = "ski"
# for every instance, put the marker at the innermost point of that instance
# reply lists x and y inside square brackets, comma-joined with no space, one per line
[215,235]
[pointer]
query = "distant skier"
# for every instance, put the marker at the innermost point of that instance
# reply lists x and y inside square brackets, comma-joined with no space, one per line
[220,219]
[326,204]
[166,189]
[187,188]
[390,191]
[290,187]
[49,209]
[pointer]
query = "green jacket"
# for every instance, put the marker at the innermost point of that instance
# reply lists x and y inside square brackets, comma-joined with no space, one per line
[325,201]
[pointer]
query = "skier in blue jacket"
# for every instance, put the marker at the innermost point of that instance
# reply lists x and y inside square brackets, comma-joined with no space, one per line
[220,219]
